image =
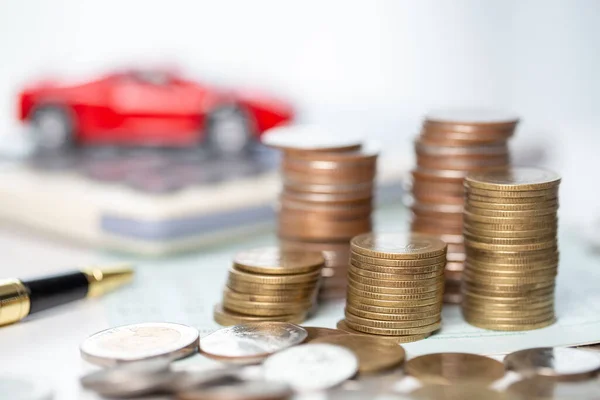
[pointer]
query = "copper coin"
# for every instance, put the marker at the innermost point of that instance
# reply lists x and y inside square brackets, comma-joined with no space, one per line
[342,325]
[398,246]
[306,138]
[274,261]
[450,368]
[315,333]
[374,355]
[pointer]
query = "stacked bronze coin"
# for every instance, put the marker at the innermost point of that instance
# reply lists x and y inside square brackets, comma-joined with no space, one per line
[453,143]
[395,286]
[512,249]
[327,199]
[268,284]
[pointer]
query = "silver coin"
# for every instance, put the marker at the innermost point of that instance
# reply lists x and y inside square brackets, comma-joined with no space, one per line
[241,390]
[189,380]
[251,342]
[23,389]
[311,367]
[543,388]
[559,363]
[132,379]
[138,342]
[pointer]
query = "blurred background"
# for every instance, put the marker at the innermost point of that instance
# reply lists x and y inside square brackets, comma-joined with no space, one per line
[377,66]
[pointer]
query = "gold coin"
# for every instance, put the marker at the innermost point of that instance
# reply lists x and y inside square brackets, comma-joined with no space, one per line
[391,316]
[264,309]
[392,276]
[387,324]
[469,275]
[501,306]
[273,261]
[487,314]
[399,270]
[509,260]
[374,355]
[531,194]
[548,244]
[514,179]
[511,214]
[270,287]
[391,303]
[502,226]
[512,326]
[512,201]
[352,288]
[410,283]
[397,290]
[245,297]
[242,287]
[315,333]
[513,207]
[508,220]
[394,332]
[451,368]
[398,246]
[228,318]
[250,277]
[468,230]
[464,391]
[486,273]
[342,325]
[503,286]
[506,298]
[511,319]
[509,241]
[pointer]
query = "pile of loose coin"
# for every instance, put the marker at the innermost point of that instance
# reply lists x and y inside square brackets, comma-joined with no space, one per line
[268,284]
[276,361]
[327,198]
[512,249]
[395,286]
[451,144]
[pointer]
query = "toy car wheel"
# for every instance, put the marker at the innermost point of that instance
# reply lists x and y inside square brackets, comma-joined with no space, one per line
[52,128]
[228,131]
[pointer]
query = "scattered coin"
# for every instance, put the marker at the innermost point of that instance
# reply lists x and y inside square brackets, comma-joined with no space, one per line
[558,363]
[315,333]
[240,390]
[24,389]
[455,391]
[130,380]
[251,342]
[374,355]
[449,368]
[311,367]
[139,342]
[544,389]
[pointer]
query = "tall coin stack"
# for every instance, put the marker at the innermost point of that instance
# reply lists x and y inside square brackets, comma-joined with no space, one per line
[327,198]
[453,143]
[267,284]
[512,250]
[395,286]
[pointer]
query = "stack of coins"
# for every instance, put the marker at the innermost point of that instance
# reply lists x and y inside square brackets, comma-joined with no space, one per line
[327,199]
[395,286]
[267,284]
[452,144]
[512,249]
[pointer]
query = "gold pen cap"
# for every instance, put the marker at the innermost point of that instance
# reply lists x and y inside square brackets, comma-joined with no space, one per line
[105,279]
[14,301]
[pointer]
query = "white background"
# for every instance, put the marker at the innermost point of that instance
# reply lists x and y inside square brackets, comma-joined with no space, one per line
[373,65]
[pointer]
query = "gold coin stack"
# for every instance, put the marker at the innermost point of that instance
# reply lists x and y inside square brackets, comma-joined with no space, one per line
[395,286]
[267,284]
[453,143]
[512,250]
[327,199]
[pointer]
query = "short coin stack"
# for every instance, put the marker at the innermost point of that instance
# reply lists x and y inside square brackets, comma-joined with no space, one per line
[395,286]
[267,284]
[452,144]
[327,199]
[512,249]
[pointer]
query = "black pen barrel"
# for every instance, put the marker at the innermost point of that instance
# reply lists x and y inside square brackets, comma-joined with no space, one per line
[55,290]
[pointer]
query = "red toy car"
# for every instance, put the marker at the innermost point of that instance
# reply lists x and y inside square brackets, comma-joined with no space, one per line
[148,108]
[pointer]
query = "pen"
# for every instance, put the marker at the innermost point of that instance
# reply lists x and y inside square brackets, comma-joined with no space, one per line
[20,298]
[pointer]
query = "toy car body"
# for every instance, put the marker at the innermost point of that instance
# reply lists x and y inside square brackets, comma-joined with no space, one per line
[155,108]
